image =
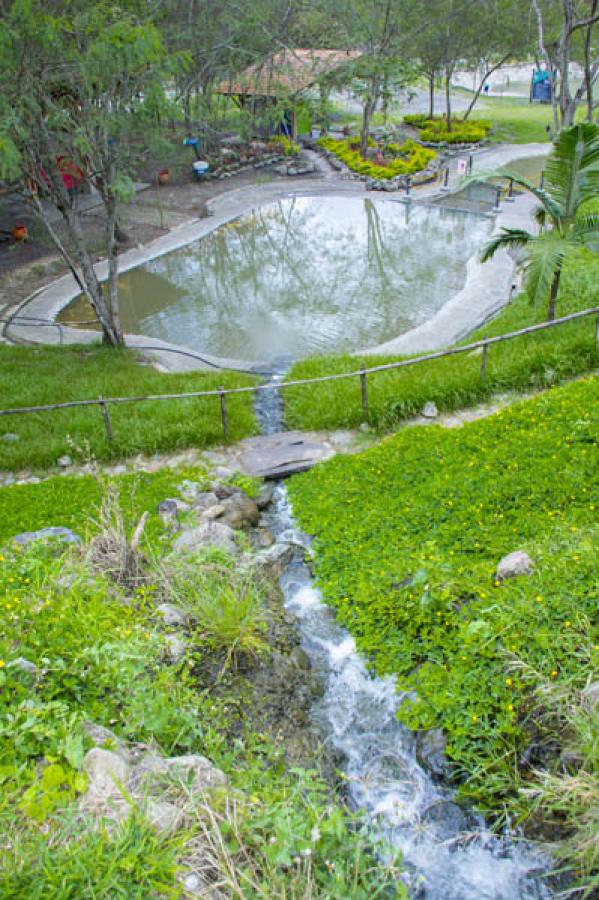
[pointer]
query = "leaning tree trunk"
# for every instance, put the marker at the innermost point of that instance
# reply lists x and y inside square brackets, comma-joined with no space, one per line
[553,296]
[483,81]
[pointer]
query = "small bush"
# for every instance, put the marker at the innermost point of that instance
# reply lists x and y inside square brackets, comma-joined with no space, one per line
[285,145]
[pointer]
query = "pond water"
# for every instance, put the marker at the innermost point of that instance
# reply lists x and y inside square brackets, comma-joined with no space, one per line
[303,276]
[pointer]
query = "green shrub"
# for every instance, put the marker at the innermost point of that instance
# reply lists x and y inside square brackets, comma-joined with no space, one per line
[285,144]
[434,131]
[413,158]
[227,607]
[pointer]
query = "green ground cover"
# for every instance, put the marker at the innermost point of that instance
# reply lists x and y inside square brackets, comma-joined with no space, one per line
[37,376]
[516,121]
[100,655]
[524,363]
[407,539]
[74,502]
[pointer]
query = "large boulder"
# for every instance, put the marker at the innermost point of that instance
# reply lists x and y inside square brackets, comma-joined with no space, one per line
[514,564]
[172,615]
[240,511]
[153,772]
[207,534]
[205,500]
[108,775]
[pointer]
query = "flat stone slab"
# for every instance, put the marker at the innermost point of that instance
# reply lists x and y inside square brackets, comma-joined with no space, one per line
[282,454]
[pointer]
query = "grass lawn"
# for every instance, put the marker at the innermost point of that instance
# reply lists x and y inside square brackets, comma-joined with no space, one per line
[36,376]
[407,539]
[525,363]
[515,121]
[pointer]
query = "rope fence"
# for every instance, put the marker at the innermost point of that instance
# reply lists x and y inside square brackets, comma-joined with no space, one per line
[362,374]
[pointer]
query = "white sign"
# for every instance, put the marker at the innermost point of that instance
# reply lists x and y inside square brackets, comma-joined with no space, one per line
[462,166]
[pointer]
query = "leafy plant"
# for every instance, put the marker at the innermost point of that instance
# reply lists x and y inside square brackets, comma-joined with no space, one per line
[571,179]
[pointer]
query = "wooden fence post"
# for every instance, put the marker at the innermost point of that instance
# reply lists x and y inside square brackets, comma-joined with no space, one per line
[364,394]
[483,362]
[106,417]
[223,412]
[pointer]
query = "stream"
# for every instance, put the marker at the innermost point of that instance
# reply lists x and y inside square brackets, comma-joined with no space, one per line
[448,853]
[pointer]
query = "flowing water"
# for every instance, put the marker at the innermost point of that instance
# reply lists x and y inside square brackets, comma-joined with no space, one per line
[448,854]
[304,275]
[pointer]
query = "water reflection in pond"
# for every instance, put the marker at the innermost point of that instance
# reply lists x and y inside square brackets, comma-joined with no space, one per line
[303,276]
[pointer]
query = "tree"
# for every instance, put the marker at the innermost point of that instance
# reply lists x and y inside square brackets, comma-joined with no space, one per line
[571,179]
[498,34]
[560,24]
[382,31]
[78,91]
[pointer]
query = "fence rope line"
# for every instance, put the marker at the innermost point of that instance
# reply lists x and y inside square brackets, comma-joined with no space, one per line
[360,373]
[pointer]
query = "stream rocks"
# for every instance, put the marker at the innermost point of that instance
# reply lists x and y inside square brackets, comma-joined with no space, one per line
[430,752]
[121,780]
[207,534]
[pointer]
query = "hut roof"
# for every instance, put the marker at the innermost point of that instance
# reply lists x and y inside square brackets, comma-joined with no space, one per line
[287,72]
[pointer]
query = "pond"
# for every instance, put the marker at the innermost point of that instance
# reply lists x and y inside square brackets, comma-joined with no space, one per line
[302,277]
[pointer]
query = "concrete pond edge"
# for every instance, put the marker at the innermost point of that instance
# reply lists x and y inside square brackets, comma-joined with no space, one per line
[486,290]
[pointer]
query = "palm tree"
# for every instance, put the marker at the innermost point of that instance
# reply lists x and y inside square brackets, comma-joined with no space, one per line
[571,179]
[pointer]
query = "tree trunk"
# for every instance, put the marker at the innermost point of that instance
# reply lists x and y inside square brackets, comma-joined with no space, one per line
[431,95]
[369,108]
[588,67]
[116,338]
[553,296]
[448,75]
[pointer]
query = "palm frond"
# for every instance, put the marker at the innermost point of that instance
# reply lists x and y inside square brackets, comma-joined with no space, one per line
[506,239]
[540,216]
[572,169]
[586,230]
[545,256]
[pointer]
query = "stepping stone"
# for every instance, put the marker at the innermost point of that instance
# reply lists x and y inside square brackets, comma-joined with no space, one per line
[282,454]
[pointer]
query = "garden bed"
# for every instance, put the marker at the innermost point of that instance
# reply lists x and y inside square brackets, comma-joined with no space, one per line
[391,163]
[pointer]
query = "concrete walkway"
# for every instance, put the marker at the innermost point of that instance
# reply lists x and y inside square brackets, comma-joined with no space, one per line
[486,290]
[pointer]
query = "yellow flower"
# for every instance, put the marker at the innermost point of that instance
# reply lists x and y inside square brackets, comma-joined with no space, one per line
[568,624]
[510,707]
[554,673]
[475,718]
[509,682]
[2,663]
